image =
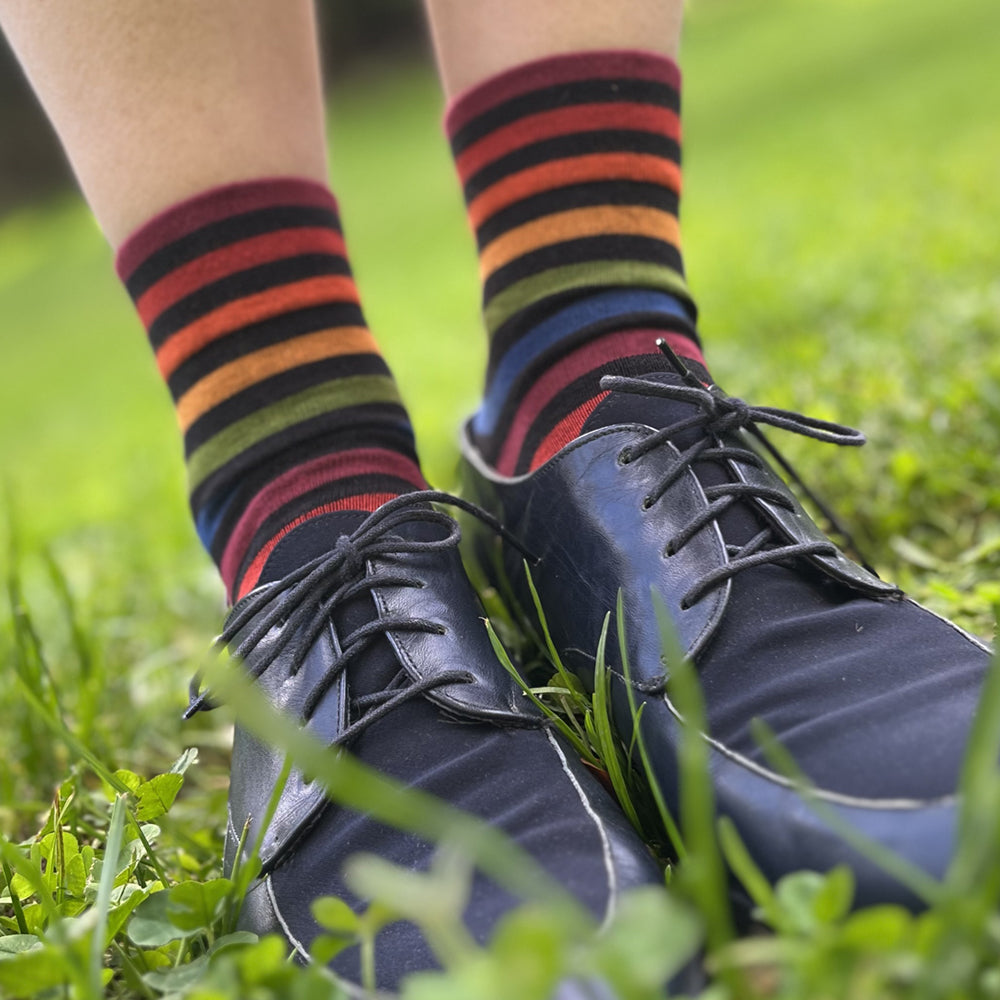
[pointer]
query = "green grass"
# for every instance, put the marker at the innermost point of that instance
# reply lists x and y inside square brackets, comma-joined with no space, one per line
[840,217]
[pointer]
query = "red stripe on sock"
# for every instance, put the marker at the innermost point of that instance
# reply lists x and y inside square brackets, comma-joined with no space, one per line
[212,206]
[554,70]
[577,363]
[361,502]
[587,358]
[278,245]
[303,478]
[568,429]
[566,121]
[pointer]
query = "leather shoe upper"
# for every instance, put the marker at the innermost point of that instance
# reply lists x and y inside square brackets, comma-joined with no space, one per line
[666,492]
[378,644]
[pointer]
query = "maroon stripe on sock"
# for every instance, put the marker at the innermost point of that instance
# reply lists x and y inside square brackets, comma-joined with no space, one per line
[303,478]
[232,259]
[554,70]
[212,206]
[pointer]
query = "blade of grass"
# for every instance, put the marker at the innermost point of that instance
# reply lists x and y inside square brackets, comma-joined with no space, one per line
[578,744]
[703,871]
[669,824]
[78,635]
[15,900]
[608,744]
[161,872]
[29,645]
[14,859]
[102,904]
[975,859]
[244,873]
[58,728]
[550,646]
[745,869]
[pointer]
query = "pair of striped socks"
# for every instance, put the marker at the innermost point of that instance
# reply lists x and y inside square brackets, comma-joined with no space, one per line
[571,172]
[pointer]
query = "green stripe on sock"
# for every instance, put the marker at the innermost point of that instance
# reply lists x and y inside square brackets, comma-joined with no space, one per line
[588,275]
[313,402]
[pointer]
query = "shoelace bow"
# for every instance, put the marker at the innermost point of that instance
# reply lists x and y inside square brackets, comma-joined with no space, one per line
[303,601]
[718,414]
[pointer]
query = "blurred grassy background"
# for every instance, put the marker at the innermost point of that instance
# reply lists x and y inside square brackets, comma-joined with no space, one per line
[841,223]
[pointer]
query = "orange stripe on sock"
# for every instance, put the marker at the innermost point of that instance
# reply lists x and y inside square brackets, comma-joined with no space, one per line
[222,383]
[601,220]
[251,252]
[561,173]
[253,309]
[565,121]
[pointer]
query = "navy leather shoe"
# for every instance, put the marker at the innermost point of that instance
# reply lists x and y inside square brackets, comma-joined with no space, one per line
[379,644]
[667,491]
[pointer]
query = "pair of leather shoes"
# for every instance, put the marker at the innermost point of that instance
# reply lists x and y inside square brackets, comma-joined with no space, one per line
[377,644]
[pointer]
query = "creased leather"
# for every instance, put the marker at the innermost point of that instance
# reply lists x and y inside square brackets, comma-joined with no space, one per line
[583,521]
[579,515]
[490,694]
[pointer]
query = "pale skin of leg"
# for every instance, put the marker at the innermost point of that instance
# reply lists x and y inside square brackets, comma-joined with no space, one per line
[155,102]
[476,39]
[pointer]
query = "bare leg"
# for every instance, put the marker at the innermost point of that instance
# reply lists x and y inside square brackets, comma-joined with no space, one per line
[155,102]
[476,39]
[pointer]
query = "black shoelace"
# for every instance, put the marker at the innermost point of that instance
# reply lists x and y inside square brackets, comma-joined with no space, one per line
[302,602]
[718,414]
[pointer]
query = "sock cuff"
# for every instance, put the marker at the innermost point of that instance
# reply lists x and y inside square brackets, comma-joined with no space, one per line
[554,71]
[213,205]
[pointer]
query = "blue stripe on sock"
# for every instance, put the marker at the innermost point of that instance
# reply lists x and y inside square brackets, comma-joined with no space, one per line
[208,518]
[548,333]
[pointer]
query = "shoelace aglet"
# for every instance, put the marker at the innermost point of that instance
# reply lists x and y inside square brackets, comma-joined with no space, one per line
[682,369]
[199,700]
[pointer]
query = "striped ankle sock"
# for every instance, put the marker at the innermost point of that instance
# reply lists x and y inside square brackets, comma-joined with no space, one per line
[571,173]
[287,408]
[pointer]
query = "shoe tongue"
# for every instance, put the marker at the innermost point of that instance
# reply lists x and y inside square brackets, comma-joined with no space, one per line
[654,411]
[307,541]
[741,521]
[316,537]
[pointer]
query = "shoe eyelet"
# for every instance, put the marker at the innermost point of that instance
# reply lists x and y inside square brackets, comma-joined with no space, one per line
[624,456]
[685,606]
[647,502]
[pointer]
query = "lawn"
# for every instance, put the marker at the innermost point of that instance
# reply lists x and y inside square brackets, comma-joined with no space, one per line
[841,219]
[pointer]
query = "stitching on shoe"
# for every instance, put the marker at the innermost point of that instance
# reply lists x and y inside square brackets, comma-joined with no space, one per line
[293,940]
[472,455]
[609,910]
[232,828]
[955,628]
[836,798]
